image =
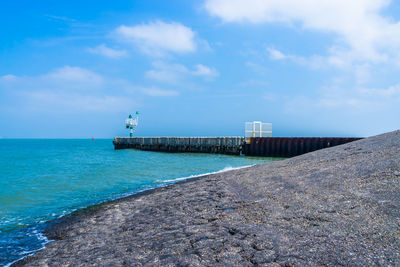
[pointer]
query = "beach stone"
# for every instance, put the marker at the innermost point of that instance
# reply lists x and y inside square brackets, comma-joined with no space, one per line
[336,206]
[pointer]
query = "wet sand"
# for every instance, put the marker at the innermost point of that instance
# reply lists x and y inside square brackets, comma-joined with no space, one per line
[336,206]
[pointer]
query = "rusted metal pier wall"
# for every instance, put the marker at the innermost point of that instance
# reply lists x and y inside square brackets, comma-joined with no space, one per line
[290,146]
[217,145]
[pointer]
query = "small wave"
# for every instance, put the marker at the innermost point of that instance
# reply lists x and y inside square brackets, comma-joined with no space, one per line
[43,240]
[228,168]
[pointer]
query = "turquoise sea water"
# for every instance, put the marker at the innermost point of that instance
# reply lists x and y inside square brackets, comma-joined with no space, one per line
[41,180]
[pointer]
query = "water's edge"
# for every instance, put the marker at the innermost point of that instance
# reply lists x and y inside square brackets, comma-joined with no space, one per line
[50,232]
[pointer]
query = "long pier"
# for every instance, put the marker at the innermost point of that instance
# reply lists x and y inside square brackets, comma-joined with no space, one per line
[254,146]
[215,145]
[290,146]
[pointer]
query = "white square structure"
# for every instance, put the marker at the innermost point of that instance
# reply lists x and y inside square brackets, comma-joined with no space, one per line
[257,129]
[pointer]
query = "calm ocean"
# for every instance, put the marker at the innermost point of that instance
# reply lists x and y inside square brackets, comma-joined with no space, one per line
[41,180]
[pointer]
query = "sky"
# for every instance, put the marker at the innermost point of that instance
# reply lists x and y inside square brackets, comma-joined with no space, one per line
[77,69]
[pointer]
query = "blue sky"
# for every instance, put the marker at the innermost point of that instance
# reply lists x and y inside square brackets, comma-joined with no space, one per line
[76,69]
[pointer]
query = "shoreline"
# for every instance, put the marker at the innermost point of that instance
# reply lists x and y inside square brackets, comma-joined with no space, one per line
[333,206]
[87,210]
[54,225]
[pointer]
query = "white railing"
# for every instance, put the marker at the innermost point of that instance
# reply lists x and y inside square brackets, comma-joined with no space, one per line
[257,129]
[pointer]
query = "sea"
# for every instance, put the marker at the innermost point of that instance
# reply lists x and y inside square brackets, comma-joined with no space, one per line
[44,179]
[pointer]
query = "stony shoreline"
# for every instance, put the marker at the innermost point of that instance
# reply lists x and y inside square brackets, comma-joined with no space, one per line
[337,206]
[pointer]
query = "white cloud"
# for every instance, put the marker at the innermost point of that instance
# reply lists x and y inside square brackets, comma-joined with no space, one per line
[261,70]
[391,93]
[315,62]
[363,33]
[359,99]
[360,73]
[8,77]
[168,73]
[154,91]
[276,54]
[159,37]
[71,76]
[270,96]
[61,18]
[204,71]
[75,89]
[255,83]
[105,51]
[61,101]
[163,75]
[67,89]
[176,73]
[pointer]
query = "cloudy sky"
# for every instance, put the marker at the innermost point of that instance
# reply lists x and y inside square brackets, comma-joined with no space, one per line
[76,69]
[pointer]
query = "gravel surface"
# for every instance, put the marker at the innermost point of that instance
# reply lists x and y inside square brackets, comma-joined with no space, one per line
[336,206]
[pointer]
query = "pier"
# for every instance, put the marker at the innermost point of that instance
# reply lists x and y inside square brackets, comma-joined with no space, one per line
[215,145]
[290,146]
[253,146]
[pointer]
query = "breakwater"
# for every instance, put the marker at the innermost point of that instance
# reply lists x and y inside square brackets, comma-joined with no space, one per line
[216,145]
[290,146]
[254,146]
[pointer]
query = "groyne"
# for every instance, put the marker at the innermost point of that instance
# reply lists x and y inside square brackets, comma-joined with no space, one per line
[290,146]
[217,145]
[254,146]
[333,207]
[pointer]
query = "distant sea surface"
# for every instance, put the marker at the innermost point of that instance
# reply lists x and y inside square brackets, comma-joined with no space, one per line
[41,180]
